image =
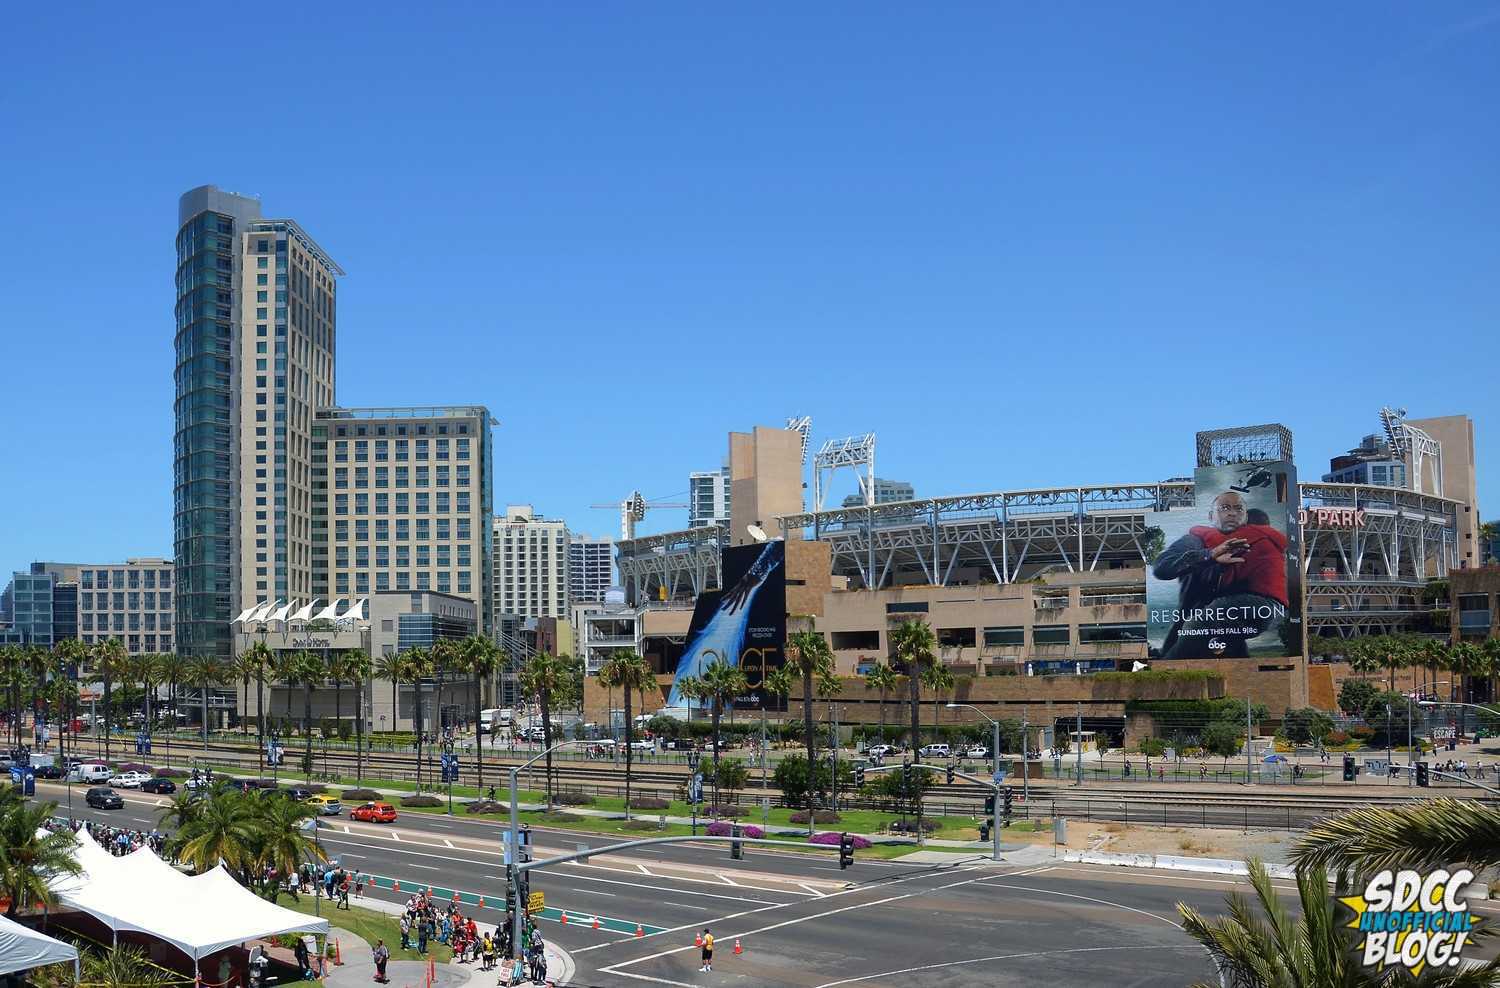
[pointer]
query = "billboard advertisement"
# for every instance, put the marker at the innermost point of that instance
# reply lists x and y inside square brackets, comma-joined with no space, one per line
[1224,577]
[743,624]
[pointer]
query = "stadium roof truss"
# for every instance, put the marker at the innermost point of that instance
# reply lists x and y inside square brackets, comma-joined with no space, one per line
[1405,538]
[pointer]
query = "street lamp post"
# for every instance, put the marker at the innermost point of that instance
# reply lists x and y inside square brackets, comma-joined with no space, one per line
[995,806]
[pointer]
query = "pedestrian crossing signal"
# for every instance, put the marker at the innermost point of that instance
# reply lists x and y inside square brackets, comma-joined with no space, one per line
[1423,779]
[989,806]
[1349,768]
[846,851]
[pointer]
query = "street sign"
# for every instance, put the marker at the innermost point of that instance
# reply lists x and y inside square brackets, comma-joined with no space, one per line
[536,902]
[1001,771]
[1377,765]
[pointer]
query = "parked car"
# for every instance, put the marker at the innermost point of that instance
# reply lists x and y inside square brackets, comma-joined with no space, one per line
[643,745]
[164,787]
[883,750]
[678,744]
[104,799]
[197,782]
[374,813]
[977,751]
[129,780]
[49,771]
[936,751]
[326,805]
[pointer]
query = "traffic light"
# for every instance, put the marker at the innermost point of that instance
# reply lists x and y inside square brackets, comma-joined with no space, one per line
[989,806]
[908,773]
[846,851]
[950,773]
[1009,798]
[1348,768]
[736,849]
[1422,777]
[859,776]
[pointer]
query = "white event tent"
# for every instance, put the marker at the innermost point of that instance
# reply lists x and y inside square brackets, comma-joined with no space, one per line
[22,949]
[197,914]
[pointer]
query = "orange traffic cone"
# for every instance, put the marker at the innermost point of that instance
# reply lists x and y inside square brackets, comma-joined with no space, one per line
[737,948]
[596,922]
[481,902]
[395,886]
[697,939]
[638,931]
[455,896]
[338,956]
[565,919]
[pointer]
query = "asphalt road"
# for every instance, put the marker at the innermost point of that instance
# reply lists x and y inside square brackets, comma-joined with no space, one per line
[802,922]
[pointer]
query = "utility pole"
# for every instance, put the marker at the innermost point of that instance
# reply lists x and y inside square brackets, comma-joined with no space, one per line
[1078,745]
[1250,748]
[1025,759]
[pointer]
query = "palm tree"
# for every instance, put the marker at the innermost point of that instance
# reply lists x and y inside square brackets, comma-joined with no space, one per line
[180,811]
[41,667]
[310,671]
[63,697]
[357,667]
[110,661]
[628,671]
[223,830]
[337,674]
[481,657]
[722,683]
[913,649]
[122,967]
[31,856]
[446,658]
[204,672]
[74,654]
[416,665]
[1434,833]
[807,652]
[142,669]
[280,841]
[392,668]
[244,666]
[1315,951]
[12,659]
[547,679]
[883,679]
[260,660]
[1363,658]
[173,671]
[938,679]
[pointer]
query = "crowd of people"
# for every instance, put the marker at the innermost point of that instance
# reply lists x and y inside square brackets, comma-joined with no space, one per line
[425,922]
[118,841]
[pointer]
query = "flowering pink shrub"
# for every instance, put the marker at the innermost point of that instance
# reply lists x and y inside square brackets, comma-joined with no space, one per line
[722,828]
[829,837]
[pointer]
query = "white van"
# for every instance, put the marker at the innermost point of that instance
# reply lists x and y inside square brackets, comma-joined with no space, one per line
[495,720]
[90,772]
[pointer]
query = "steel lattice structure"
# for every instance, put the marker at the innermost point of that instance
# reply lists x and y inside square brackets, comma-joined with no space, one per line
[1359,579]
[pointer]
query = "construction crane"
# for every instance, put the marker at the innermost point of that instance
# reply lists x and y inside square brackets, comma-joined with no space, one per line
[634,508]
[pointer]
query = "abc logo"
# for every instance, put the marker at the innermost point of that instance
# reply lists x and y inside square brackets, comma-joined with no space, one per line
[1215,646]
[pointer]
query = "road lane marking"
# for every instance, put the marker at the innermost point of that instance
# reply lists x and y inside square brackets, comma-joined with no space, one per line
[684,905]
[448,842]
[676,891]
[813,890]
[424,867]
[1004,957]
[729,881]
[643,869]
[593,892]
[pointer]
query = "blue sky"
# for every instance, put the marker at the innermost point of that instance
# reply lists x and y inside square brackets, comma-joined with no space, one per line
[1026,246]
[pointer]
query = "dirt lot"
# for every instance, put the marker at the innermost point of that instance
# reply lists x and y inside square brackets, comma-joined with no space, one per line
[1198,842]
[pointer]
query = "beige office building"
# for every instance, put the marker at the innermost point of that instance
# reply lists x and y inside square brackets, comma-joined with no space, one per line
[130,601]
[531,564]
[401,502]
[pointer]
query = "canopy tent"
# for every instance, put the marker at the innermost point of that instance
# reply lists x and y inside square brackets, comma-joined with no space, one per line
[22,949]
[198,915]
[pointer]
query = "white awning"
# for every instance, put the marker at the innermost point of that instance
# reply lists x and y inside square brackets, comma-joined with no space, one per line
[245,614]
[331,611]
[281,612]
[22,948]
[357,612]
[199,915]
[306,612]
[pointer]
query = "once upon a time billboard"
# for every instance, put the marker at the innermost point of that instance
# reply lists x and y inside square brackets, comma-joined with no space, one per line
[744,624]
[1224,576]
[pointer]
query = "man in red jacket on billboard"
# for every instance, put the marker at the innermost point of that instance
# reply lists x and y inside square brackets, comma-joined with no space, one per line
[1231,581]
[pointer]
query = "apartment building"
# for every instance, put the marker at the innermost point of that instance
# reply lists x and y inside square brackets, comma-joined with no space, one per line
[708,498]
[531,560]
[590,568]
[402,502]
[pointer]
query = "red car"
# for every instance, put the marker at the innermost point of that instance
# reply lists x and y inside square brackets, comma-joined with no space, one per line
[374,813]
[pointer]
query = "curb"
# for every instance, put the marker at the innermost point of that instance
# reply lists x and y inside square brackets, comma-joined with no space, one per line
[1171,862]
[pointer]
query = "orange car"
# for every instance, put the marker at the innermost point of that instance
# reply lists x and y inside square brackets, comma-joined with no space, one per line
[374,813]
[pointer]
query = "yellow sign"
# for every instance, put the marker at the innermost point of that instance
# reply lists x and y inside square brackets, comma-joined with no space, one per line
[536,903]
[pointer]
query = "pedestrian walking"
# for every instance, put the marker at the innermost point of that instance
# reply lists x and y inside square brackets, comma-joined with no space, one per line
[382,955]
[708,951]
